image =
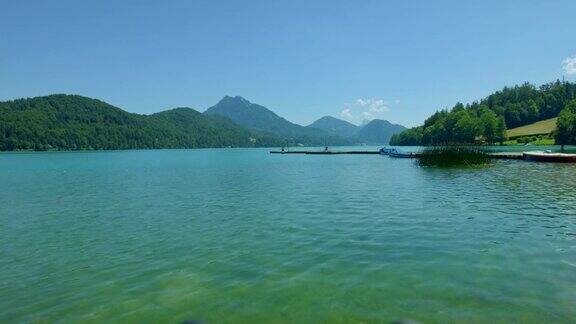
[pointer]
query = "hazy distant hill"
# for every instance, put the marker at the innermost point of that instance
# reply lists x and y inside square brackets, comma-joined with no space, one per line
[73,122]
[335,126]
[257,117]
[378,131]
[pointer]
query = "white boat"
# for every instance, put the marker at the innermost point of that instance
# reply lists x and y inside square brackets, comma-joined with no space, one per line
[402,154]
[387,150]
[394,152]
[548,156]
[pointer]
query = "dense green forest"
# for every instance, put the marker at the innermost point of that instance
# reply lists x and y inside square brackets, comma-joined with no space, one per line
[71,122]
[486,121]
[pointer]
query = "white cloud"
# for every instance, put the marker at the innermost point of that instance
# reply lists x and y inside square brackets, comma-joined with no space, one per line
[361,102]
[367,115]
[373,105]
[346,114]
[364,109]
[569,65]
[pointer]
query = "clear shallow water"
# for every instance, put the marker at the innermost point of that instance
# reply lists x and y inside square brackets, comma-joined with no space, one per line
[240,235]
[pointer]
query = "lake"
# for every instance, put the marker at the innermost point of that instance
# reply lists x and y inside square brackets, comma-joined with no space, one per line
[242,236]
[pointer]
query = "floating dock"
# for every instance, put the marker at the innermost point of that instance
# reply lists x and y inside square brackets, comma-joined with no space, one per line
[324,152]
[526,156]
[508,156]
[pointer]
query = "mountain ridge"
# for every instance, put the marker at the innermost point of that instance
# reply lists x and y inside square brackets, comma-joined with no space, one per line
[326,130]
[254,116]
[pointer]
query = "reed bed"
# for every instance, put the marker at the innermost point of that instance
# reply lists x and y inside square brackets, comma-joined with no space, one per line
[453,156]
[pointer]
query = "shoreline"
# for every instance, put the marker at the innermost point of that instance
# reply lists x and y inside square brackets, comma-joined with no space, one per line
[527,147]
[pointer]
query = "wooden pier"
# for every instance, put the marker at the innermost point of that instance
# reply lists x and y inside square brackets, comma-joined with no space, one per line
[504,156]
[324,152]
[530,156]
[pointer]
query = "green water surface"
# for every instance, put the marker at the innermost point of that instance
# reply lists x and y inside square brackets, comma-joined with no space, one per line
[242,236]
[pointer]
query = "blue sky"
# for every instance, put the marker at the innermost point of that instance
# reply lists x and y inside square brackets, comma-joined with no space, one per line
[395,60]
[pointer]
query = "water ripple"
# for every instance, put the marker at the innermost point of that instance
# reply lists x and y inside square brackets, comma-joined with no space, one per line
[243,236]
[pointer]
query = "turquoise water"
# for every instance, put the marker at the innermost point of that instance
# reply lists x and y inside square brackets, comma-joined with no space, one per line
[242,236]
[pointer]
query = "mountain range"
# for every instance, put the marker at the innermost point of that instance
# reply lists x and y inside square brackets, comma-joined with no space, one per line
[72,122]
[326,129]
[254,116]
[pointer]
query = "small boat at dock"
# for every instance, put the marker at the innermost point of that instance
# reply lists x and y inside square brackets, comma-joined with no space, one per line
[401,154]
[386,150]
[547,156]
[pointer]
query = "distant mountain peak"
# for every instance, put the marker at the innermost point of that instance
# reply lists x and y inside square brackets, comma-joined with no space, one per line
[335,126]
[377,121]
[234,100]
[331,118]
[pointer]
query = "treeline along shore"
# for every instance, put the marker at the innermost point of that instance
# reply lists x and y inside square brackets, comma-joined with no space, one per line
[486,121]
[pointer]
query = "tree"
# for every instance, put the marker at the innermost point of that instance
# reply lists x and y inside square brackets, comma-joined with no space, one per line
[467,128]
[566,125]
[489,121]
[500,134]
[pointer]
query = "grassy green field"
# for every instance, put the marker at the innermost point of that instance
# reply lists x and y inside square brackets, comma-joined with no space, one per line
[546,126]
[543,141]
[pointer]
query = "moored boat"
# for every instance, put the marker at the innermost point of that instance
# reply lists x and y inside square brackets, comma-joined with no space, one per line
[541,156]
[401,154]
[386,150]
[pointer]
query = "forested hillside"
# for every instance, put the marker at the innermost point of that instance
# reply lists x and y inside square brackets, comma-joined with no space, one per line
[486,121]
[71,122]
